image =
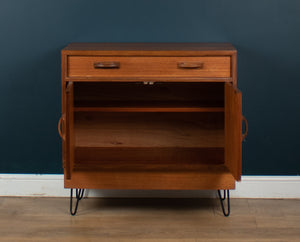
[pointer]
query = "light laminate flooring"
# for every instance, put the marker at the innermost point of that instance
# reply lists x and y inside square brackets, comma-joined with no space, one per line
[140,219]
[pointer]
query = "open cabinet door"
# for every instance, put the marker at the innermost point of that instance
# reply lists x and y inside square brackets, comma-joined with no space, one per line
[69,124]
[233,130]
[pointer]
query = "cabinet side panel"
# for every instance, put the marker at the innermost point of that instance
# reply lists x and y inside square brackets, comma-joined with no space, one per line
[69,129]
[234,68]
[63,110]
[233,130]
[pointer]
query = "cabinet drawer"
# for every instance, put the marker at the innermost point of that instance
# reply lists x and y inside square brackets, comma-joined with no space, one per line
[145,67]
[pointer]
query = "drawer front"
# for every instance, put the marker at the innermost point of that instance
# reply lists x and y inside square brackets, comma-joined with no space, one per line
[139,67]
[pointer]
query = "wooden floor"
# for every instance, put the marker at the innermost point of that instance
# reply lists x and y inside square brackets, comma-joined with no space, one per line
[47,219]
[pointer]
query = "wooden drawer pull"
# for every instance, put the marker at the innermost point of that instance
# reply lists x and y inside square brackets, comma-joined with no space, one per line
[190,65]
[246,127]
[59,128]
[107,65]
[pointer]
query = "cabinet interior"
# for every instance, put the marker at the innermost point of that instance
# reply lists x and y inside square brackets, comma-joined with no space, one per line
[159,127]
[157,97]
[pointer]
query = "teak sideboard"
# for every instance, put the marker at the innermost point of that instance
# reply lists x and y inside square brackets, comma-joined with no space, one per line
[151,116]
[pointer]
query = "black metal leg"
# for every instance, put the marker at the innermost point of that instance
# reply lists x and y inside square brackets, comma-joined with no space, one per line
[222,199]
[79,196]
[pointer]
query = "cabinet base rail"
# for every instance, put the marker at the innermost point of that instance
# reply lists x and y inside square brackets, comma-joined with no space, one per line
[79,196]
[222,201]
[80,193]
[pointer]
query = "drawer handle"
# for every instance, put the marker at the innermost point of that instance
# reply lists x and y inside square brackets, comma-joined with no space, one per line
[246,127]
[107,65]
[59,127]
[190,65]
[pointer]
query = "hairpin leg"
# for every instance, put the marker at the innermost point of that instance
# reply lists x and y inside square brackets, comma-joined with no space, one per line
[79,196]
[222,199]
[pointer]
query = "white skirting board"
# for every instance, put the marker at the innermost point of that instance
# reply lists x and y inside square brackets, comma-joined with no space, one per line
[53,186]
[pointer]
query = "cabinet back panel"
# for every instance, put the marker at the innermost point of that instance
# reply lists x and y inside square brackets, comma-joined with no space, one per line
[158,94]
[154,158]
[95,129]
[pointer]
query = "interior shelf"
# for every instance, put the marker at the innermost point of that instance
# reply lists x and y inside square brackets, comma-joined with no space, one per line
[148,141]
[144,166]
[93,129]
[144,106]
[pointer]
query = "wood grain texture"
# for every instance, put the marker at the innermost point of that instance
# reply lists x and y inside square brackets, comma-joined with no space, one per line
[63,110]
[186,109]
[141,79]
[146,159]
[234,68]
[149,130]
[162,47]
[202,177]
[148,67]
[150,49]
[233,130]
[69,120]
[149,220]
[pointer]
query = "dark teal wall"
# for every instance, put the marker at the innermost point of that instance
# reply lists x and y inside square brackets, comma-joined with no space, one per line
[265,32]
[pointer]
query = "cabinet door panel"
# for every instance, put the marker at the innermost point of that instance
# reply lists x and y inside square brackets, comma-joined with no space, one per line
[233,130]
[69,122]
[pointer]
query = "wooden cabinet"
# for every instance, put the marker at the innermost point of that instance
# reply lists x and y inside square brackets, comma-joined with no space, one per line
[150,116]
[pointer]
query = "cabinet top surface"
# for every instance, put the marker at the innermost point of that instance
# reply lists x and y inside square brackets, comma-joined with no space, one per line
[151,47]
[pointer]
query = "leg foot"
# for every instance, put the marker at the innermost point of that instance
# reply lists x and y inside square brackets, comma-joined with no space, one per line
[79,196]
[222,200]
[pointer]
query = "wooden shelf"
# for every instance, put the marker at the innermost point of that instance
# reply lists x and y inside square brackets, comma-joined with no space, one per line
[148,109]
[179,166]
[148,106]
[95,129]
